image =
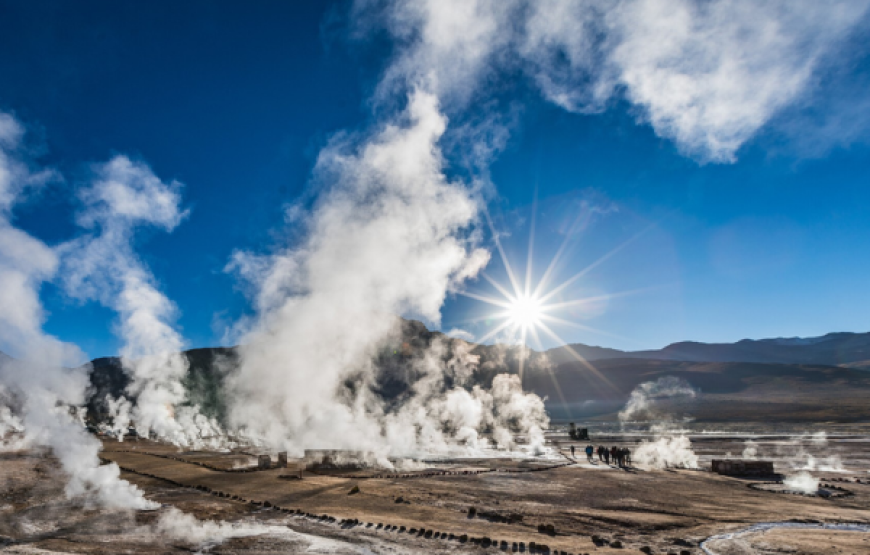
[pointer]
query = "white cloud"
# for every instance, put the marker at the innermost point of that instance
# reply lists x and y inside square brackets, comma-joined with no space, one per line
[707,75]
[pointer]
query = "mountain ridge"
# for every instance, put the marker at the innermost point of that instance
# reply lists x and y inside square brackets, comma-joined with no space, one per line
[832,349]
[799,379]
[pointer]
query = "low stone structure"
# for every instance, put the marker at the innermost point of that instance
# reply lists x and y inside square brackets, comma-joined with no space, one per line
[743,468]
[282,459]
[335,458]
[264,462]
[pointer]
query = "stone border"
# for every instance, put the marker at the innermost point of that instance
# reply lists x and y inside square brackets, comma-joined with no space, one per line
[348,523]
[838,494]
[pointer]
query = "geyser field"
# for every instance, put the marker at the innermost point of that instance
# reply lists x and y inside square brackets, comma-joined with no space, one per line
[361,179]
[466,492]
[465,504]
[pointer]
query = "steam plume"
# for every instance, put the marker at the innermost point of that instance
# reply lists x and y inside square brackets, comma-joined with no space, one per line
[707,75]
[102,265]
[647,403]
[388,235]
[44,392]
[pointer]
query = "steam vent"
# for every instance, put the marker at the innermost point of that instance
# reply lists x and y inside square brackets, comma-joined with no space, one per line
[335,458]
[742,468]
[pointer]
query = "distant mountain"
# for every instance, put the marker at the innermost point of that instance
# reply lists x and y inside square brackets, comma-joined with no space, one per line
[834,349]
[782,379]
[729,391]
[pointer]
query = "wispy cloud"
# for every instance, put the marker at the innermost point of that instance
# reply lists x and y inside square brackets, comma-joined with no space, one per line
[707,75]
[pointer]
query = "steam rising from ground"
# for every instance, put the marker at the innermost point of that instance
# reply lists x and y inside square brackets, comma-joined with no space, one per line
[646,400]
[803,481]
[389,234]
[671,448]
[44,393]
[125,195]
[797,462]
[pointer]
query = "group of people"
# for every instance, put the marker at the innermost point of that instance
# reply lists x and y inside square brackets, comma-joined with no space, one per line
[621,456]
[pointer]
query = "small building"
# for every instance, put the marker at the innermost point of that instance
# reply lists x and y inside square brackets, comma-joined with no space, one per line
[742,467]
[264,462]
[282,459]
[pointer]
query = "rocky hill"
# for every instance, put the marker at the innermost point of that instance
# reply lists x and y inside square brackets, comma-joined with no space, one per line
[795,379]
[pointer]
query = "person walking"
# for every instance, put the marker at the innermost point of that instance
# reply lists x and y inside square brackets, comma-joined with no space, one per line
[572,451]
[589,451]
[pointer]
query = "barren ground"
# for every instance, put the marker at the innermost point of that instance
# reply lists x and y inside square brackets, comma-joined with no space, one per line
[593,508]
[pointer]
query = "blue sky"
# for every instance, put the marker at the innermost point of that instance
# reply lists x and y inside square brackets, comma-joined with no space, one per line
[236,100]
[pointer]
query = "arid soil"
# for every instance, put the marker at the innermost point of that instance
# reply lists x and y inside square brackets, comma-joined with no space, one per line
[484,504]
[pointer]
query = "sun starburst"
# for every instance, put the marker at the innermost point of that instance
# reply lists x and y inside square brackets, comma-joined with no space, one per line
[526,310]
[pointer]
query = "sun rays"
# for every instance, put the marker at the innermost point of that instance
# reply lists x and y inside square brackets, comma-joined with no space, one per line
[525,310]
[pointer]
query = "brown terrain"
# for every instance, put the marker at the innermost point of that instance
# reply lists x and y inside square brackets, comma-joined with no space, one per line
[466,505]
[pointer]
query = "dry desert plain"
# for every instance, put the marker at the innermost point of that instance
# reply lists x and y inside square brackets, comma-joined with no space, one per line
[487,504]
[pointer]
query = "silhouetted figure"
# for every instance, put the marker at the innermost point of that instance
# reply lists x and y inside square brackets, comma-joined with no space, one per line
[589,451]
[572,451]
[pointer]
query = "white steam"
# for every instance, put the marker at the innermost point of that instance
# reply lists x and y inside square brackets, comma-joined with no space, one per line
[795,454]
[667,451]
[45,394]
[750,450]
[125,195]
[802,481]
[645,401]
[651,401]
[389,234]
[707,75]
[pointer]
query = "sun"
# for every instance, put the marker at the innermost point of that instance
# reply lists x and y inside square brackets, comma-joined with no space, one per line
[525,312]
[528,308]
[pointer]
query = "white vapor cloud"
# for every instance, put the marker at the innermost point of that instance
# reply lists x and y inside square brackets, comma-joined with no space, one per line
[644,403]
[671,447]
[388,235]
[45,394]
[707,75]
[102,265]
